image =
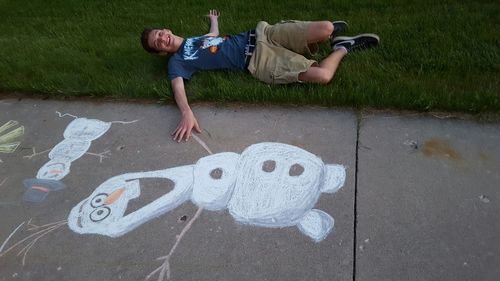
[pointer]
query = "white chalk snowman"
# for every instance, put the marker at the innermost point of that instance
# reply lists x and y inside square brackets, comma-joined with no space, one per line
[78,137]
[270,184]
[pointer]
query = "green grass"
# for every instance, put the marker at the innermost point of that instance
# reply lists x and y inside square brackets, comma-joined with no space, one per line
[434,55]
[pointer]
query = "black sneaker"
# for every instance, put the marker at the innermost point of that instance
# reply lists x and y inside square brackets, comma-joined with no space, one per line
[339,26]
[362,41]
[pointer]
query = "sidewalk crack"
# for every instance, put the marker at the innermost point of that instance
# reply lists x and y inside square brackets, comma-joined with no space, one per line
[359,117]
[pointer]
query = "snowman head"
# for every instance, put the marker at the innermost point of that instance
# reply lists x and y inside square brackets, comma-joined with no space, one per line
[53,170]
[104,208]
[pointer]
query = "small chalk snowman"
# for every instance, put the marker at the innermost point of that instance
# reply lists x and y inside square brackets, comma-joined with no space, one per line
[78,137]
[269,185]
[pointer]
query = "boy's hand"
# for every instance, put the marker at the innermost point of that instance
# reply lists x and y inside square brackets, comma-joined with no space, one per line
[186,125]
[213,15]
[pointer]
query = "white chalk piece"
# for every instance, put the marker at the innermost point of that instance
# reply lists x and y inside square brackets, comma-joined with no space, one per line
[270,184]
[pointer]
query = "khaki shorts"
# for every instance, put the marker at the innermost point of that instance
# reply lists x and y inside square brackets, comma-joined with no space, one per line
[278,57]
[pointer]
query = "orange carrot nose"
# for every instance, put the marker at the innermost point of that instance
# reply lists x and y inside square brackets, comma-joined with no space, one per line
[114,196]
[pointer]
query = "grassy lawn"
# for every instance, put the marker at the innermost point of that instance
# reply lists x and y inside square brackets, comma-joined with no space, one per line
[434,55]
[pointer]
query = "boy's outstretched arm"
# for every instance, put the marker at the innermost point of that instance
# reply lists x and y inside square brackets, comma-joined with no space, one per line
[213,16]
[188,120]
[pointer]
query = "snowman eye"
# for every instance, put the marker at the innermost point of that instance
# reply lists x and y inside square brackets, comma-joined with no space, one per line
[269,166]
[216,174]
[98,200]
[99,214]
[296,170]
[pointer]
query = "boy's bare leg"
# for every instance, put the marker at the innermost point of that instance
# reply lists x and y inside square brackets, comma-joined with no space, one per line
[319,31]
[326,69]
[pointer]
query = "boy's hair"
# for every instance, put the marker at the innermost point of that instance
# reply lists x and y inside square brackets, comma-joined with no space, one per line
[144,40]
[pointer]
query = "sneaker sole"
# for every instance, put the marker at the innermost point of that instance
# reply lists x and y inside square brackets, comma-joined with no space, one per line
[344,38]
[340,21]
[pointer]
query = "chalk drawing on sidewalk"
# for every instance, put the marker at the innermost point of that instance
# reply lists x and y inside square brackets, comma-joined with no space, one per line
[78,137]
[31,239]
[102,155]
[9,139]
[270,185]
[164,268]
[215,182]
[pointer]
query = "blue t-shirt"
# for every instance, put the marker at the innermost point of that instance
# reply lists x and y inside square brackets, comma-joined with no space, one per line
[208,53]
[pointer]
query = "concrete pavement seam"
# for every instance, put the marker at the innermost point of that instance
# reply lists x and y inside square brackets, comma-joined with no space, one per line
[359,118]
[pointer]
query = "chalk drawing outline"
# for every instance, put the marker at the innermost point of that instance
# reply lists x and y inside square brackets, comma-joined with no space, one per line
[102,155]
[8,141]
[245,194]
[164,268]
[314,223]
[31,239]
[78,137]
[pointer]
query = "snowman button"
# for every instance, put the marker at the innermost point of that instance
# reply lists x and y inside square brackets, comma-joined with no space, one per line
[269,166]
[296,170]
[216,174]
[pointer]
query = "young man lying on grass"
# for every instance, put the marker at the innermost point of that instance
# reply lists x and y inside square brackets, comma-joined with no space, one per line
[274,54]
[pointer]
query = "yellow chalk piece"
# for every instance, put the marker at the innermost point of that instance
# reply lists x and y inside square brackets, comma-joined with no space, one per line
[8,125]
[9,147]
[12,135]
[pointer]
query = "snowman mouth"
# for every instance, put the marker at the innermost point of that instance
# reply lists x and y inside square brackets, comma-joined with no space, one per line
[151,189]
[79,220]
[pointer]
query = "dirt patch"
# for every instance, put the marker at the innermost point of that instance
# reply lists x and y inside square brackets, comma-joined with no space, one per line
[440,148]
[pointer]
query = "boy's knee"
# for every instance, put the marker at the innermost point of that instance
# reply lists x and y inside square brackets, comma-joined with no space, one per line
[326,27]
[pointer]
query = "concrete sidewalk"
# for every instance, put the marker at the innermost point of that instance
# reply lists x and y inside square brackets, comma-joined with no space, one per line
[420,199]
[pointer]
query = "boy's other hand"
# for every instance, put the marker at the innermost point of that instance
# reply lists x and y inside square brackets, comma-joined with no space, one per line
[213,14]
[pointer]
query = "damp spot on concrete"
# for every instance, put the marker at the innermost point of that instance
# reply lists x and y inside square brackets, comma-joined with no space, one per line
[440,148]
[483,156]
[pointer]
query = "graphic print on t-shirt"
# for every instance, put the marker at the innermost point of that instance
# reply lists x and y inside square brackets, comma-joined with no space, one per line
[194,44]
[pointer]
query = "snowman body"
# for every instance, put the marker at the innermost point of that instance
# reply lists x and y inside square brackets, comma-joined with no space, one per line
[269,185]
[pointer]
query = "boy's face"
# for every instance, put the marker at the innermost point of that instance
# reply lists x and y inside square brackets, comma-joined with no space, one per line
[162,40]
